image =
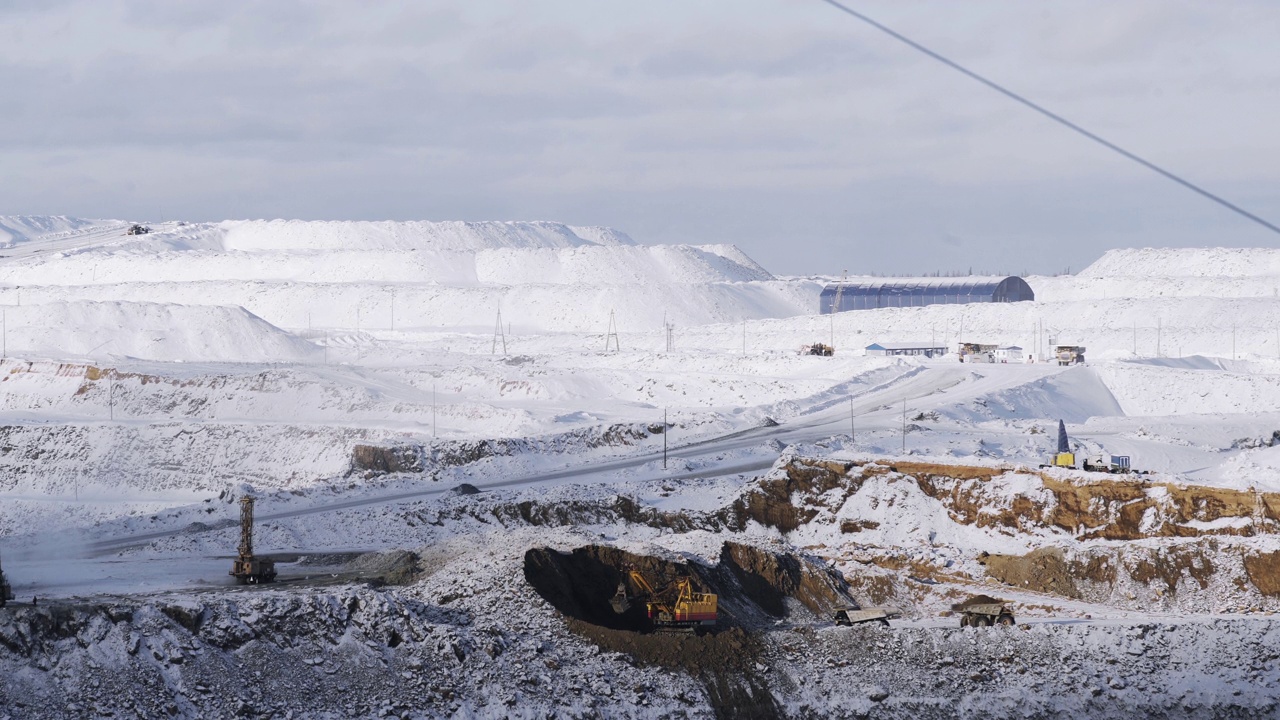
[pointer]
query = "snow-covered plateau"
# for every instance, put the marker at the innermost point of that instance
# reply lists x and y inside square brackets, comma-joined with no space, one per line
[459,436]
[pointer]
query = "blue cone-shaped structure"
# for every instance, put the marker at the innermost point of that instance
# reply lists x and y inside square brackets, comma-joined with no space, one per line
[1063,445]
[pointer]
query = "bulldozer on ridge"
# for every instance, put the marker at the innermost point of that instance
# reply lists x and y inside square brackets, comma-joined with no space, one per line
[674,608]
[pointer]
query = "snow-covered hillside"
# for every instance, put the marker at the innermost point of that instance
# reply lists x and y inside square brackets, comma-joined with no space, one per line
[355,377]
[542,276]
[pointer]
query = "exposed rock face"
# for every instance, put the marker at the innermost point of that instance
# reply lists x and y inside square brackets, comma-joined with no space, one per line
[1107,509]
[1080,519]
[1263,570]
[754,585]
[371,460]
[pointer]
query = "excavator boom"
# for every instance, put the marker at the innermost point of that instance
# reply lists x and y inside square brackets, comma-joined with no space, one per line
[675,607]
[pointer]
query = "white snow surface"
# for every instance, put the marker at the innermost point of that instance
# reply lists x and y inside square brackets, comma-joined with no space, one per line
[150,379]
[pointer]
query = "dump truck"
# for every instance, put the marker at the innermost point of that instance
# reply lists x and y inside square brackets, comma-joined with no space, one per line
[677,607]
[983,611]
[819,349]
[137,230]
[846,616]
[1069,354]
[249,569]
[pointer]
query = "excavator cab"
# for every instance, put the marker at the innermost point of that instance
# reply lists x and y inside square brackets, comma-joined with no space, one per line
[675,608]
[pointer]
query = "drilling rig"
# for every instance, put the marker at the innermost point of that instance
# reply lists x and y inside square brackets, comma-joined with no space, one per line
[6,592]
[249,570]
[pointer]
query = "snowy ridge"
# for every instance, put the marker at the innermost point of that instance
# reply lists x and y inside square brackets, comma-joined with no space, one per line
[259,235]
[16,229]
[168,332]
[544,276]
[1186,263]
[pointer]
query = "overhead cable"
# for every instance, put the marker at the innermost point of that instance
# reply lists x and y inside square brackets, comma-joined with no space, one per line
[1051,115]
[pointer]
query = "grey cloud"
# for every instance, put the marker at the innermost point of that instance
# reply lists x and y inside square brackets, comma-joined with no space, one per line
[797,133]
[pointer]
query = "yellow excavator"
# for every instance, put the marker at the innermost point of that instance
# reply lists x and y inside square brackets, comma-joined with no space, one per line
[674,608]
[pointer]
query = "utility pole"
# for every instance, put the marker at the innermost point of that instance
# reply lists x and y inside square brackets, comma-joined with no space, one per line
[612,334]
[665,428]
[904,424]
[744,337]
[111,397]
[393,308]
[4,332]
[498,334]
[852,430]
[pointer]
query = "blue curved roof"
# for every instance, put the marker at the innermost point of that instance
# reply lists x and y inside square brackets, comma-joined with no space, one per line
[917,292]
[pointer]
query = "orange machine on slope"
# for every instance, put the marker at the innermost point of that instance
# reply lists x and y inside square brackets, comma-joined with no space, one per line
[676,607]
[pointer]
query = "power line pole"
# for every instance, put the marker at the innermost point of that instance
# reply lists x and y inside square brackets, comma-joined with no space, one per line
[852,430]
[499,334]
[612,334]
[904,425]
[666,427]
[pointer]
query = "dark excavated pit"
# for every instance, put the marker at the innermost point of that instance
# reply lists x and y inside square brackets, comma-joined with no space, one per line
[755,588]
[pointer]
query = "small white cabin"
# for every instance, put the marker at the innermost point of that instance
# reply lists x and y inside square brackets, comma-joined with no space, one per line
[928,350]
[1010,354]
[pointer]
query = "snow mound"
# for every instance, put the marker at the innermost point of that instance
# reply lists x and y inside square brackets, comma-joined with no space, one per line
[454,236]
[1186,262]
[1074,396]
[16,229]
[151,331]
[1145,389]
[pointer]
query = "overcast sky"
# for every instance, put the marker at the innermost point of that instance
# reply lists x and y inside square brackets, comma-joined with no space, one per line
[807,138]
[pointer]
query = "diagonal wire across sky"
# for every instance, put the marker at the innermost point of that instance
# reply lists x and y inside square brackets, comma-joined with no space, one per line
[1052,115]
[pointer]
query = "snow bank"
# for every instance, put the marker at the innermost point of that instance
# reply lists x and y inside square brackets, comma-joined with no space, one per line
[1186,263]
[1144,389]
[151,331]
[15,229]
[259,235]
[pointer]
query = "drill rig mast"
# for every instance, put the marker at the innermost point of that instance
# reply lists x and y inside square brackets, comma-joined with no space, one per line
[249,570]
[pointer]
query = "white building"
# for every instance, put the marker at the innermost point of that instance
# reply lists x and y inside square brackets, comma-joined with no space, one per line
[928,350]
[1010,354]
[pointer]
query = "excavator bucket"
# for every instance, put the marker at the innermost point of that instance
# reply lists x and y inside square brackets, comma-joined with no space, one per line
[620,602]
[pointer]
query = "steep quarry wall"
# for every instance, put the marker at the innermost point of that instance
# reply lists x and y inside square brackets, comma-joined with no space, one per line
[1126,541]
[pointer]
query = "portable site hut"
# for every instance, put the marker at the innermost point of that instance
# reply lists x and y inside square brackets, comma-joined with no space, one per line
[927,350]
[1010,354]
